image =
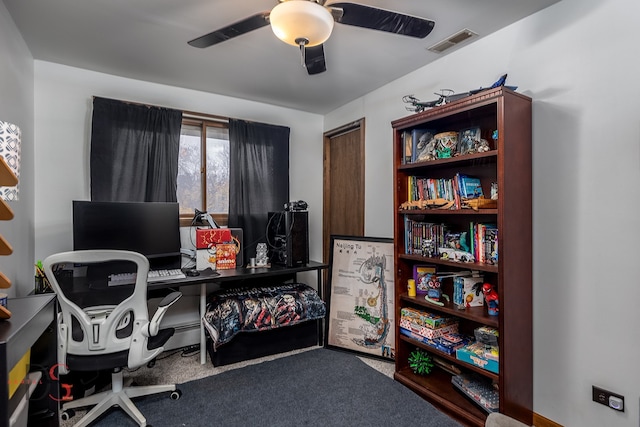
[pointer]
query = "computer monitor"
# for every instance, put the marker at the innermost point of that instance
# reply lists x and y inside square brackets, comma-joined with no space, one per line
[150,228]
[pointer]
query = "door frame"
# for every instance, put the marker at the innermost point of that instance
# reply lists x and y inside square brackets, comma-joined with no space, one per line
[326,177]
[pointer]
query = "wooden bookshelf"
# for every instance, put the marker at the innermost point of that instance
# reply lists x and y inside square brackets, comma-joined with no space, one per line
[508,164]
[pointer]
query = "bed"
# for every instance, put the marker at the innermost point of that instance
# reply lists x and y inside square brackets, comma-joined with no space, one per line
[245,323]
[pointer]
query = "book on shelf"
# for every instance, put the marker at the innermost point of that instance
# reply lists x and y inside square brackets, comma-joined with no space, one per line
[428,239]
[484,242]
[422,274]
[419,188]
[422,238]
[469,187]
[408,147]
[491,244]
[421,139]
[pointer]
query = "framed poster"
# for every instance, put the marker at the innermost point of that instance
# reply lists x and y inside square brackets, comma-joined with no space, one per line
[360,296]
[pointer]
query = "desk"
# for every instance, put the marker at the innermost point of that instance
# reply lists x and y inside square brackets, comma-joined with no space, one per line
[31,325]
[221,277]
[234,276]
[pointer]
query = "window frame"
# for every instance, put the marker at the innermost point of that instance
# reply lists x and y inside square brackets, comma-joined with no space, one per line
[204,121]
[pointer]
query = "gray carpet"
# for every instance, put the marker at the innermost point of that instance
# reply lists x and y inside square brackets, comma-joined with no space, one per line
[315,388]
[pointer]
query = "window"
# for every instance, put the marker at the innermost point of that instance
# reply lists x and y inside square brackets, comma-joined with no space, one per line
[203,169]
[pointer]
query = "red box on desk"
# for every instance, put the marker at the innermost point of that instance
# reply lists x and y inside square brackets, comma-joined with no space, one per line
[225,256]
[209,237]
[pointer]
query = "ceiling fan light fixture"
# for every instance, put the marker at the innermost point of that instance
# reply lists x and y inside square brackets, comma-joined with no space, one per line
[297,22]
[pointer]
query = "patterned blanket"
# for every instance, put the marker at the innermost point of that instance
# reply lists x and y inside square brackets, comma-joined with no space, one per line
[231,311]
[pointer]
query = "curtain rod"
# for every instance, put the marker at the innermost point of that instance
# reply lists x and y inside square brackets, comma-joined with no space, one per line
[186,114]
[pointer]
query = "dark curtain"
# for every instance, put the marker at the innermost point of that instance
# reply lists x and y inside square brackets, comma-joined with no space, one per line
[134,152]
[258,178]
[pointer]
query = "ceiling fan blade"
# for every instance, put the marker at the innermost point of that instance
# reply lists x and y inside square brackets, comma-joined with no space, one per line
[254,22]
[383,20]
[314,60]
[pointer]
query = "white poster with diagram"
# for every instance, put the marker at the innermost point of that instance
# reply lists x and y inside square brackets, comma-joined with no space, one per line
[361,295]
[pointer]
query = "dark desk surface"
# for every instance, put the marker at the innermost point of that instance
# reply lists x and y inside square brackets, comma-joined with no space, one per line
[233,275]
[29,318]
[99,290]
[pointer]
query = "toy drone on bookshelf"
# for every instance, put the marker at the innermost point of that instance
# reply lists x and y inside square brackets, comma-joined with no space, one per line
[447,95]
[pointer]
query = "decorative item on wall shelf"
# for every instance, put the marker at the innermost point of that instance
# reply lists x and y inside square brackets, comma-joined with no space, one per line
[446,144]
[10,141]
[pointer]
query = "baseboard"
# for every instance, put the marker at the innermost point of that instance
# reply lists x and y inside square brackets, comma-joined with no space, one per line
[540,421]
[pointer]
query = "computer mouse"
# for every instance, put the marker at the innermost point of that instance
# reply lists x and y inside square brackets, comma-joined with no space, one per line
[192,273]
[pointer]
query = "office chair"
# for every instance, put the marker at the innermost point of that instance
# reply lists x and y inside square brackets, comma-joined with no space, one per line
[102,327]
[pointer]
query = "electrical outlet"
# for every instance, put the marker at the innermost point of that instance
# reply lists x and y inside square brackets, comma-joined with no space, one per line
[607,398]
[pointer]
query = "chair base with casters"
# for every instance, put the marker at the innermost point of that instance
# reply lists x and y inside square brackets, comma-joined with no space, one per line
[120,394]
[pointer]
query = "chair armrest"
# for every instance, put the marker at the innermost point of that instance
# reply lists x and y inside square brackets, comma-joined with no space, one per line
[168,301]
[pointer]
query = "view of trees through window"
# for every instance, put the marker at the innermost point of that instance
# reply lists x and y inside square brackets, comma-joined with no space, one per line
[203,169]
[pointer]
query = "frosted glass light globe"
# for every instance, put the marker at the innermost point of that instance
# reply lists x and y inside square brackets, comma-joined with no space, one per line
[301,22]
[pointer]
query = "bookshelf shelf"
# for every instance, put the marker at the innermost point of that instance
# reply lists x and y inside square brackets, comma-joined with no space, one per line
[6,213]
[475,314]
[445,356]
[460,161]
[436,387]
[508,164]
[449,212]
[7,177]
[5,247]
[4,281]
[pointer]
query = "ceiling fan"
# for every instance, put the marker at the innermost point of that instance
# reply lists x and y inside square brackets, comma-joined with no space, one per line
[308,24]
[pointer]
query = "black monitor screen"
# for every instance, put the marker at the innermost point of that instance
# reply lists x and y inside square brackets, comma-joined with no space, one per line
[151,228]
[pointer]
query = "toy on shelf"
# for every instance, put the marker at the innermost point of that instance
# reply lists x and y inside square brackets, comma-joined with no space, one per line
[433,289]
[427,204]
[420,362]
[491,298]
[480,203]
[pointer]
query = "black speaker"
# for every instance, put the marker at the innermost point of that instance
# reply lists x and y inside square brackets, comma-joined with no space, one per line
[288,238]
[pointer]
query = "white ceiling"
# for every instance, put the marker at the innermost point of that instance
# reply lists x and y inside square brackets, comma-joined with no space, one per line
[147,40]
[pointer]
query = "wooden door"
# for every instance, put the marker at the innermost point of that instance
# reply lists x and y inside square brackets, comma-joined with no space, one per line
[343,199]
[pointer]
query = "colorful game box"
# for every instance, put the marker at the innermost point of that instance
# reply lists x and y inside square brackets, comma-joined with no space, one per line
[479,390]
[477,354]
[428,332]
[445,346]
[425,318]
[487,335]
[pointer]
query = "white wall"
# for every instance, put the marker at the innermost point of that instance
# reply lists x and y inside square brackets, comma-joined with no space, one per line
[579,62]
[16,106]
[63,124]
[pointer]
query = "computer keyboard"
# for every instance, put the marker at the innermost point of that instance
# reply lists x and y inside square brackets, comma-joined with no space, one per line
[153,276]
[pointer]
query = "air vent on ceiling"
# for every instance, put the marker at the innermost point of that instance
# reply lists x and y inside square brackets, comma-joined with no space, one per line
[452,40]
